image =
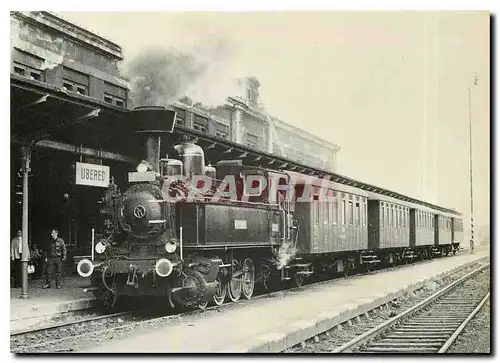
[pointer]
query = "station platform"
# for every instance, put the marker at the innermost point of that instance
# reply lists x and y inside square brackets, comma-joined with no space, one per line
[273,324]
[42,304]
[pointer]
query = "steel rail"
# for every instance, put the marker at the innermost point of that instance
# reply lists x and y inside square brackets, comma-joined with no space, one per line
[65,324]
[457,332]
[374,332]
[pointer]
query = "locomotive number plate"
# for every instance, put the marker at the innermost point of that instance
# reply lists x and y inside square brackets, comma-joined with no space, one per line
[240,224]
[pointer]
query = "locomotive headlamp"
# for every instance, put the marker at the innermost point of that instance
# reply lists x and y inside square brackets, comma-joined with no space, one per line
[85,268]
[163,267]
[170,246]
[100,247]
[142,167]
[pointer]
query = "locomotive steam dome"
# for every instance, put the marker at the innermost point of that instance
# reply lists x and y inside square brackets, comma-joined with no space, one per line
[210,171]
[142,212]
[193,157]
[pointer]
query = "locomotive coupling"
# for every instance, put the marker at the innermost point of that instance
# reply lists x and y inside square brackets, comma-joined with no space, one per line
[163,267]
[85,267]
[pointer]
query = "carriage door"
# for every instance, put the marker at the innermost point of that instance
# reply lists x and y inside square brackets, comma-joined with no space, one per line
[281,197]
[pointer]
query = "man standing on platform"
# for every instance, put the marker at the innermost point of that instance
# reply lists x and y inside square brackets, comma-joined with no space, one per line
[55,254]
[16,250]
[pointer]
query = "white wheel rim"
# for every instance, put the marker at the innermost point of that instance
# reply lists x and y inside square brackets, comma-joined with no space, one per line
[249,278]
[220,293]
[234,287]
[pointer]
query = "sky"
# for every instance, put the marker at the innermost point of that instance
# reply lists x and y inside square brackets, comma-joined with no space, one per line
[390,88]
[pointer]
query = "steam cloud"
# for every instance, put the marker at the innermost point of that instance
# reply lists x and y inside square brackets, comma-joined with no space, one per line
[203,73]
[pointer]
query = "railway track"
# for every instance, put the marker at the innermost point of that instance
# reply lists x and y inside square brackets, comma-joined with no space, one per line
[432,325]
[55,337]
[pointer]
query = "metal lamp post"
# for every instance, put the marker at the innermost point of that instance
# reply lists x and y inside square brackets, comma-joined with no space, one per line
[26,151]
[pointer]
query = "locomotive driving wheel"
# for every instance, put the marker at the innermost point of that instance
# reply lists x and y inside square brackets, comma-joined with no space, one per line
[234,285]
[221,292]
[248,278]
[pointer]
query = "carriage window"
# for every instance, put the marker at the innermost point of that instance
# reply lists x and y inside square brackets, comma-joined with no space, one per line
[358,215]
[316,209]
[343,212]
[382,215]
[350,218]
[326,205]
[335,211]
[365,214]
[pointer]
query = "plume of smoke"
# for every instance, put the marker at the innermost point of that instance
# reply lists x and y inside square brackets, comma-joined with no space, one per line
[202,72]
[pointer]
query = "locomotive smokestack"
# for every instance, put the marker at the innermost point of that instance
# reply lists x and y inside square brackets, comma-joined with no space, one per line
[152,122]
[152,148]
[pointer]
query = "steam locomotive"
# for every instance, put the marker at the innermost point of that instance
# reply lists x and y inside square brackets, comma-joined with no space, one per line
[196,234]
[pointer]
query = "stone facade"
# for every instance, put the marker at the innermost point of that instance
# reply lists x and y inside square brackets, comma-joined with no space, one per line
[48,49]
[244,121]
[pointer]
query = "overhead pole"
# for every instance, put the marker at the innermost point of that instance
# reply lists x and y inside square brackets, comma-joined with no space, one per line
[475,82]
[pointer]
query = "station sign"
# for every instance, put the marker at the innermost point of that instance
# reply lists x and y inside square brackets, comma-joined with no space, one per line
[92,175]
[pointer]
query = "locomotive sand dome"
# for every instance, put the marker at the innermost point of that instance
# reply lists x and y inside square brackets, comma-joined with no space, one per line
[171,167]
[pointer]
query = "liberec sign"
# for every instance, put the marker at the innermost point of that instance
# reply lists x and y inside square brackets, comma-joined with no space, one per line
[91,174]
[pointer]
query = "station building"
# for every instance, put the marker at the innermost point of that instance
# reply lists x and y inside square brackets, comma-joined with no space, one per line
[67,101]
[243,120]
[65,87]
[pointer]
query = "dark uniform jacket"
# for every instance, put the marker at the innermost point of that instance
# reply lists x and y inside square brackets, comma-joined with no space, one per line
[55,248]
